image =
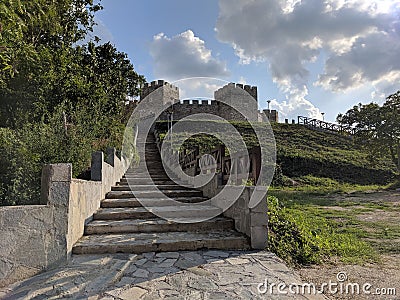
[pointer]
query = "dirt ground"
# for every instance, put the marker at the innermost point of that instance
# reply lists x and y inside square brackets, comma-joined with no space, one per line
[380,277]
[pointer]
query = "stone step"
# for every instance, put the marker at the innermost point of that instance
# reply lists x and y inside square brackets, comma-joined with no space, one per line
[154,165]
[148,163]
[157,225]
[156,175]
[150,179]
[153,194]
[144,181]
[195,212]
[156,242]
[148,202]
[146,187]
[148,170]
[147,142]
[150,149]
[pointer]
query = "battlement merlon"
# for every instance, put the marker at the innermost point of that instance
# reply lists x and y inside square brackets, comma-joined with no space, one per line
[149,88]
[252,90]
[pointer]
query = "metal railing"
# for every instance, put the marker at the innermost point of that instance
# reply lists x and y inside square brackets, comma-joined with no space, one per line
[318,124]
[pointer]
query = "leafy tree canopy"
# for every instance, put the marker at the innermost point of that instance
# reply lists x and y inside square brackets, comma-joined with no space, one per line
[377,127]
[60,99]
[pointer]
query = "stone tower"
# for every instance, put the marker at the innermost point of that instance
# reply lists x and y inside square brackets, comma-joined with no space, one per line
[237,95]
[159,95]
[271,115]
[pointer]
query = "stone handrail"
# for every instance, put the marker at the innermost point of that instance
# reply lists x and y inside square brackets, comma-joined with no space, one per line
[236,167]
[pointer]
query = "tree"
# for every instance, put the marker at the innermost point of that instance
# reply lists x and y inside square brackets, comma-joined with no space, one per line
[377,127]
[59,99]
[32,34]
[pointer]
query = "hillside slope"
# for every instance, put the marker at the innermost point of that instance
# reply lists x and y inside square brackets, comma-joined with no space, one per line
[302,151]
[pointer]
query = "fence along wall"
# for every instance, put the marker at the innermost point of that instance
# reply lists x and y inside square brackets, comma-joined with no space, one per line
[34,238]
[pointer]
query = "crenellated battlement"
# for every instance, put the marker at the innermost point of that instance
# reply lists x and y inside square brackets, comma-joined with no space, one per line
[252,90]
[148,88]
[231,102]
[197,102]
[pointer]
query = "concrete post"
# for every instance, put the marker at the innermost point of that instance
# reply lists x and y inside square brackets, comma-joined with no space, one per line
[56,191]
[111,155]
[55,178]
[97,166]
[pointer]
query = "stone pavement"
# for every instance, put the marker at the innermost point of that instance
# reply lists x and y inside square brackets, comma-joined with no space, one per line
[204,274]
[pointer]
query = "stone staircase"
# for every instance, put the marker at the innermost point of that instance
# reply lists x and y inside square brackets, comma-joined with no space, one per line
[128,221]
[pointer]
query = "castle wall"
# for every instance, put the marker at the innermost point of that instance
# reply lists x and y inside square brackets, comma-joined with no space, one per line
[238,95]
[160,95]
[185,109]
[271,115]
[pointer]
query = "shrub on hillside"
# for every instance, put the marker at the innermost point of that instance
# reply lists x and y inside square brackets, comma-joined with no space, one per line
[27,149]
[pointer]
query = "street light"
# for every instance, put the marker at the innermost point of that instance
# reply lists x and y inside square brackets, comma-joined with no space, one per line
[269,102]
[323,116]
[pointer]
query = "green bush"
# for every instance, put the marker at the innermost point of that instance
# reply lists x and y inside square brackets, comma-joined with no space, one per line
[26,150]
[284,237]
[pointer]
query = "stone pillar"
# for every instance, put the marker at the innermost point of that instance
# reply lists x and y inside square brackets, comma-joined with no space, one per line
[259,225]
[111,155]
[56,190]
[56,181]
[97,166]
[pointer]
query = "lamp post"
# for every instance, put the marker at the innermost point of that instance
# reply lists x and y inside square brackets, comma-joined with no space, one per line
[323,116]
[269,103]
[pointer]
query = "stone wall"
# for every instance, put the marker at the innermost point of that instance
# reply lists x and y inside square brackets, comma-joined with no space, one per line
[29,241]
[271,115]
[34,238]
[253,222]
[161,94]
[237,95]
[188,108]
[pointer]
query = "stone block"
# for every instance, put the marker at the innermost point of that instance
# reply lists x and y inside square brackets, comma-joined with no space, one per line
[259,237]
[61,172]
[53,173]
[59,193]
[111,156]
[258,219]
[97,166]
[261,207]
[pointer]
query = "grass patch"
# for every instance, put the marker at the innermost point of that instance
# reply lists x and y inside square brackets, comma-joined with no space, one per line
[301,237]
[356,227]
[313,185]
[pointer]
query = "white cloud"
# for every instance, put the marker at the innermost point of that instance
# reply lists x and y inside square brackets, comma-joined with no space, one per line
[296,105]
[371,58]
[360,40]
[184,55]
[196,87]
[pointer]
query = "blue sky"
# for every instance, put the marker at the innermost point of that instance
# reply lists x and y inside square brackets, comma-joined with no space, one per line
[309,56]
